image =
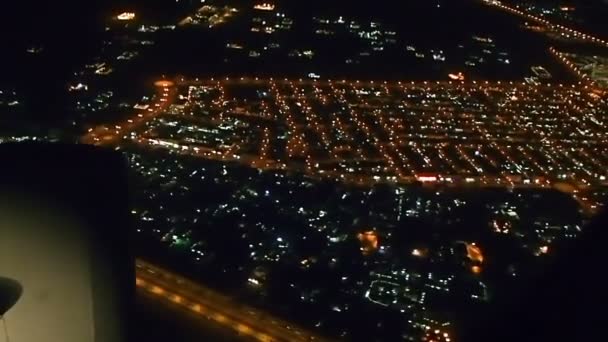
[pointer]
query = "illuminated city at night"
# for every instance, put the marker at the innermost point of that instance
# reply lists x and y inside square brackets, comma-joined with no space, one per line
[333,171]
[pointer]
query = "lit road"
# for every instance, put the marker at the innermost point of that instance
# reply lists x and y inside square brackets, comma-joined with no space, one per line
[104,135]
[565,31]
[208,304]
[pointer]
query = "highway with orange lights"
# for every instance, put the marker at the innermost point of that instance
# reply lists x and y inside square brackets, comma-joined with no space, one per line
[563,30]
[210,305]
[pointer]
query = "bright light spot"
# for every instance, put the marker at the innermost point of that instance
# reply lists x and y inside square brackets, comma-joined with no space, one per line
[126,16]
[369,242]
[264,7]
[474,253]
[157,290]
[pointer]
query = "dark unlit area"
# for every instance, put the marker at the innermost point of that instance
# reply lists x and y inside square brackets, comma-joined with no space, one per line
[159,322]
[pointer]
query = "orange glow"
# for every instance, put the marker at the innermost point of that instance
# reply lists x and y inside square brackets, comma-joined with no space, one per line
[251,326]
[436,335]
[243,328]
[157,290]
[420,252]
[474,253]
[369,242]
[126,16]
[476,269]
[457,77]
[264,7]
[263,337]
[163,83]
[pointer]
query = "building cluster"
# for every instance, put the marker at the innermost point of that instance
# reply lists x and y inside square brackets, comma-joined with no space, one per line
[317,192]
[356,206]
[265,33]
[474,133]
[92,89]
[210,16]
[330,252]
